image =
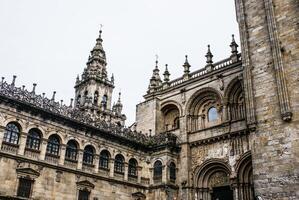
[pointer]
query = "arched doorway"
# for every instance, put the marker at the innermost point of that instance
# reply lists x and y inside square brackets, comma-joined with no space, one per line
[244,177]
[212,181]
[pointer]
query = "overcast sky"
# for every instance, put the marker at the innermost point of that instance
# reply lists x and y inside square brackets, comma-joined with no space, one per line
[48,42]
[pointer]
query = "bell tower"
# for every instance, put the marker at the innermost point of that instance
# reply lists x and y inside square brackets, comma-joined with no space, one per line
[93,91]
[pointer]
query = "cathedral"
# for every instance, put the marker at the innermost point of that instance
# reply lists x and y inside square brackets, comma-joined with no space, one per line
[228,130]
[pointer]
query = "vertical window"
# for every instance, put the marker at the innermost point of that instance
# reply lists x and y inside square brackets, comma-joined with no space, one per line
[132,167]
[104,159]
[88,155]
[104,101]
[172,171]
[33,139]
[96,97]
[176,123]
[83,195]
[212,114]
[119,163]
[79,100]
[24,188]
[71,150]
[53,145]
[11,134]
[158,171]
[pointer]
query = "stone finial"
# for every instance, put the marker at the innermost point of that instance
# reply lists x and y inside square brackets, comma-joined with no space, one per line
[2,80]
[166,74]
[234,49]
[77,79]
[186,66]
[13,80]
[53,96]
[33,88]
[112,79]
[71,103]
[61,102]
[23,87]
[43,95]
[209,56]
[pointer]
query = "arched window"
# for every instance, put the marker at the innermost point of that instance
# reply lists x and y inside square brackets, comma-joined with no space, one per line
[104,101]
[104,159]
[12,133]
[71,150]
[88,155]
[53,145]
[176,123]
[78,100]
[172,172]
[132,171]
[33,139]
[119,163]
[212,114]
[96,97]
[158,171]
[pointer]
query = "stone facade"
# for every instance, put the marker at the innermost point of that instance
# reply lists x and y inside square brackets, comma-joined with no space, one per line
[226,131]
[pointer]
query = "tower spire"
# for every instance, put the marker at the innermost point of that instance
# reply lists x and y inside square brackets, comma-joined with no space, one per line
[209,56]
[234,49]
[186,66]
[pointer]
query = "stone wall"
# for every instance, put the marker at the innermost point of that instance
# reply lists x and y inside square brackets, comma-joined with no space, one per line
[269,36]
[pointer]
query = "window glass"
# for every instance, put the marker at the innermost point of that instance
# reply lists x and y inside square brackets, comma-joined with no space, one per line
[71,150]
[104,159]
[88,155]
[132,167]
[83,195]
[53,145]
[33,139]
[11,134]
[119,163]
[213,114]
[24,188]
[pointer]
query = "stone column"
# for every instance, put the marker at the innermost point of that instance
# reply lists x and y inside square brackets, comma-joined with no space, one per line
[164,174]
[126,170]
[62,154]
[43,148]
[2,130]
[80,159]
[139,174]
[111,164]
[235,191]
[22,143]
[96,163]
[151,170]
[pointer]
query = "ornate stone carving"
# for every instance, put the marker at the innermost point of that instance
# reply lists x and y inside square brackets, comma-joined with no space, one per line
[218,179]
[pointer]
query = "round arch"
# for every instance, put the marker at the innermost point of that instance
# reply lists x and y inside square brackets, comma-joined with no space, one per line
[203,93]
[172,103]
[203,172]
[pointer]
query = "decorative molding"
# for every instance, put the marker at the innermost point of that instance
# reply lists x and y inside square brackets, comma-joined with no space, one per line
[283,97]
[246,62]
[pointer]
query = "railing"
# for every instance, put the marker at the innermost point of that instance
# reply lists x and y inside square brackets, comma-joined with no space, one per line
[119,175]
[157,179]
[71,163]
[104,171]
[145,181]
[132,178]
[201,72]
[32,153]
[10,148]
[54,159]
[88,167]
